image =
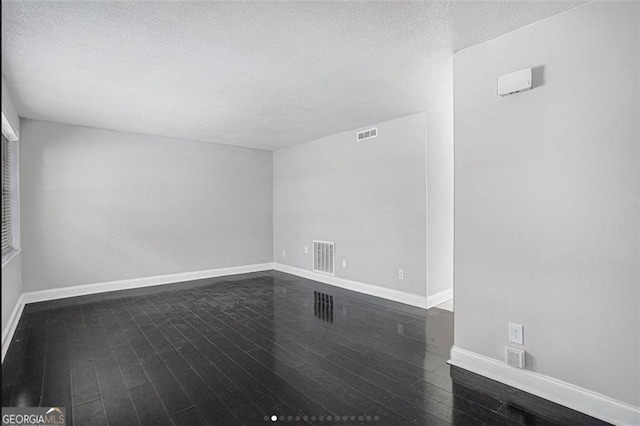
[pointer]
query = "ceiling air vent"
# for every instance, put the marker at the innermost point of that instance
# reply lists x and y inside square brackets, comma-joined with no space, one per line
[367,134]
[323,257]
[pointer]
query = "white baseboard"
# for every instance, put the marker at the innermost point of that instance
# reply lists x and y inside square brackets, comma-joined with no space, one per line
[370,289]
[439,298]
[563,393]
[81,290]
[12,324]
[574,397]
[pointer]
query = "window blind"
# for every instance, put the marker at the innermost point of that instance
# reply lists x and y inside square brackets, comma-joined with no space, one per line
[7,239]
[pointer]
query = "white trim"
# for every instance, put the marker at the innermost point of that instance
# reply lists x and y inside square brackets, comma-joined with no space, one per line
[558,391]
[426,204]
[12,324]
[81,290]
[14,172]
[370,289]
[8,257]
[10,117]
[439,298]
[7,129]
[15,195]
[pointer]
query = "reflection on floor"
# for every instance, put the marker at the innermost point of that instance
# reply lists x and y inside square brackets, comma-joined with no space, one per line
[240,350]
[446,305]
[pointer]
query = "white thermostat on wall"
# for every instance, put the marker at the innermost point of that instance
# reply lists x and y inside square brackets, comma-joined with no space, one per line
[515,82]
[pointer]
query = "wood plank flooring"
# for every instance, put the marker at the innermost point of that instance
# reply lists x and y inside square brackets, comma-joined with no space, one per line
[239,350]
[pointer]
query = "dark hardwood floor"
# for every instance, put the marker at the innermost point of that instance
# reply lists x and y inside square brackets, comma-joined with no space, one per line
[239,350]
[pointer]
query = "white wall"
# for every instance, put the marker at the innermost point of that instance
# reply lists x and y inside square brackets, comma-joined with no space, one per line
[368,197]
[547,200]
[440,203]
[102,205]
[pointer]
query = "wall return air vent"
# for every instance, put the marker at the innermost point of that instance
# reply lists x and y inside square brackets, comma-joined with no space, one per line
[324,257]
[367,134]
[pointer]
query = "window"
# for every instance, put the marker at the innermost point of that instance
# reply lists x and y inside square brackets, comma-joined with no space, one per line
[8,198]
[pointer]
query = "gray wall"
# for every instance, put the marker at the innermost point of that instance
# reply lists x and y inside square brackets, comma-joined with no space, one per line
[100,205]
[368,197]
[439,203]
[548,198]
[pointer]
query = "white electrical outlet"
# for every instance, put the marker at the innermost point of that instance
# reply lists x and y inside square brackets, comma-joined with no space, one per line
[515,357]
[284,253]
[344,263]
[516,333]
[401,274]
[306,250]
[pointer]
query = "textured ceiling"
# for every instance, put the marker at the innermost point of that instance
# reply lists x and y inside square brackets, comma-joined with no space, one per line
[255,74]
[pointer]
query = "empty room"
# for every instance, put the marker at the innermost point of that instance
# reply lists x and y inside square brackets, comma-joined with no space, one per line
[320,212]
